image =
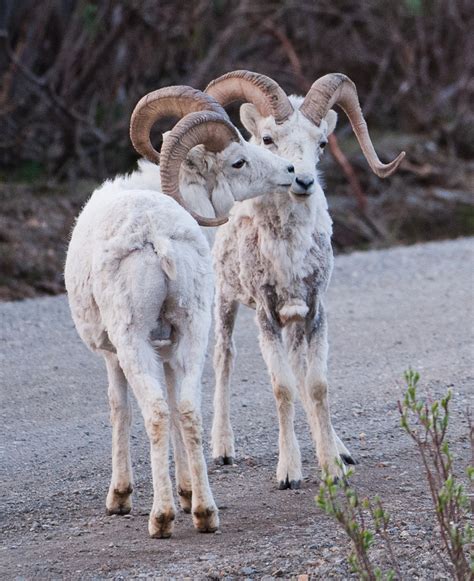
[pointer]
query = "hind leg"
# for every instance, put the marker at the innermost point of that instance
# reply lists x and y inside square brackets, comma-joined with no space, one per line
[137,359]
[188,365]
[119,496]
[183,476]
[130,303]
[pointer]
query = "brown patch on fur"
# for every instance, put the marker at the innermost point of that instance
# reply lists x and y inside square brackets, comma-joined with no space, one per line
[185,493]
[292,319]
[125,492]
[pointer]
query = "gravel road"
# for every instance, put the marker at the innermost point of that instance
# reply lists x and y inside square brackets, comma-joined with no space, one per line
[388,310]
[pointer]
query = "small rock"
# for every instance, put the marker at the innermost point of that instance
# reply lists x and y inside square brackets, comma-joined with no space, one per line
[247,570]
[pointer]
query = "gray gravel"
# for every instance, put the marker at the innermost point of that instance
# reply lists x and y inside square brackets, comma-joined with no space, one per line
[388,310]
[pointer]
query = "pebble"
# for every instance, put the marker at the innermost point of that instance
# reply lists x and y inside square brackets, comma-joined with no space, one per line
[247,570]
[206,557]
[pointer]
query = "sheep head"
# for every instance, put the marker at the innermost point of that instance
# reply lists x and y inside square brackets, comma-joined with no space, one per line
[302,133]
[213,149]
[298,139]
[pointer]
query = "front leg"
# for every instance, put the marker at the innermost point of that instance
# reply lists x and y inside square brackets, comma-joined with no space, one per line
[289,472]
[223,450]
[332,454]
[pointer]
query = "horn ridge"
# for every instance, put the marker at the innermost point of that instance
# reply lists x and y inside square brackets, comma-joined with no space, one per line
[262,91]
[208,128]
[166,102]
[338,89]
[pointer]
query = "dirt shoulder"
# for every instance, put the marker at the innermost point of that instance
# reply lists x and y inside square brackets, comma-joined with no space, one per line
[388,310]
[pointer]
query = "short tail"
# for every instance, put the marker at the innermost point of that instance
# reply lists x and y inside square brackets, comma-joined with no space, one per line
[163,249]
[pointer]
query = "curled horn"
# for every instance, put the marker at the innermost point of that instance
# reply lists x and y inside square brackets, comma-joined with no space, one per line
[209,128]
[337,89]
[167,102]
[263,92]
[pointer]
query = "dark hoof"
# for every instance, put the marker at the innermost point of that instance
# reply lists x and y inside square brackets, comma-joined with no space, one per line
[224,461]
[348,460]
[206,520]
[160,526]
[119,501]
[291,484]
[185,499]
[120,510]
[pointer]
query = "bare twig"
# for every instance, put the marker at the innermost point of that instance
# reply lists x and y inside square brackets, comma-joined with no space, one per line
[349,172]
[54,98]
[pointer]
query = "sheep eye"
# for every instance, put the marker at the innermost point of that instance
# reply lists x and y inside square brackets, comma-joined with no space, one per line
[323,144]
[267,140]
[239,164]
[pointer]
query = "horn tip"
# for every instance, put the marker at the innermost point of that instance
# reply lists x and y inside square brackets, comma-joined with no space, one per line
[391,168]
[210,222]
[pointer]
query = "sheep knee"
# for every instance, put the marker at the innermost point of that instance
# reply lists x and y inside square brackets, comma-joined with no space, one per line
[318,391]
[283,393]
[224,355]
[119,408]
[157,421]
[190,419]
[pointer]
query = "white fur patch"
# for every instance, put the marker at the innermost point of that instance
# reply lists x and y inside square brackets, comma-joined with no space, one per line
[293,312]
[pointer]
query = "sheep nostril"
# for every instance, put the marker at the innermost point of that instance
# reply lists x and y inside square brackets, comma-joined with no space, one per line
[291,168]
[305,183]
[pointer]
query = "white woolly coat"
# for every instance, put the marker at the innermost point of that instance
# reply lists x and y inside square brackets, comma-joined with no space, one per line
[123,216]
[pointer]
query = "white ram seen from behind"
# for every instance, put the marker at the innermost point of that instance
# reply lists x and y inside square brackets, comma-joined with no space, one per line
[140,287]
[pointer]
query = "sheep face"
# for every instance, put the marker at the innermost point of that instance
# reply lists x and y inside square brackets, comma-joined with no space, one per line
[297,139]
[239,172]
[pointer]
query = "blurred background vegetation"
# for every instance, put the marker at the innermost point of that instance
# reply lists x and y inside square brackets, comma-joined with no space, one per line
[71,72]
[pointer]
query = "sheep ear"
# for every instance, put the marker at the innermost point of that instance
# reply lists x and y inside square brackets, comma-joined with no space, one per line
[331,120]
[197,158]
[249,117]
